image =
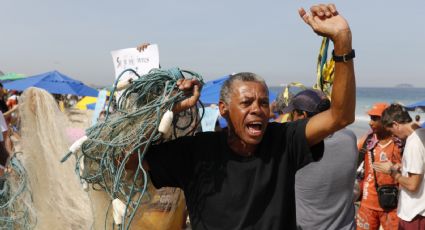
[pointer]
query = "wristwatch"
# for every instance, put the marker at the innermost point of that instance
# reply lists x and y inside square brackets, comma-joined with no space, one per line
[345,57]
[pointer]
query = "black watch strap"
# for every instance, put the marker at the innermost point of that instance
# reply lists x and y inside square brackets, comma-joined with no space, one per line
[345,57]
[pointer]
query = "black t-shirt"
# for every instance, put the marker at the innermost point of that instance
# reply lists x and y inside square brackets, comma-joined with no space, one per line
[3,106]
[227,191]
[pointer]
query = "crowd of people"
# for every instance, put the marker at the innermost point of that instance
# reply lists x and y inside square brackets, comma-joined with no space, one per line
[382,177]
[8,104]
[308,172]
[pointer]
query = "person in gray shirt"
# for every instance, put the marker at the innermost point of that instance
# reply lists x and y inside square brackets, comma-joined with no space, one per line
[324,189]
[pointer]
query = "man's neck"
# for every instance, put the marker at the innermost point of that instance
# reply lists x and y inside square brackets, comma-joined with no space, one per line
[411,127]
[383,136]
[240,147]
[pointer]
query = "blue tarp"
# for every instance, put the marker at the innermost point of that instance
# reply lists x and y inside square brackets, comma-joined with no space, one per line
[210,93]
[53,82]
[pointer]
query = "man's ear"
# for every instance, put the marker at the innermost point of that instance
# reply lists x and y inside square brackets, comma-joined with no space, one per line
[305,115]
[223,108]
[396,125]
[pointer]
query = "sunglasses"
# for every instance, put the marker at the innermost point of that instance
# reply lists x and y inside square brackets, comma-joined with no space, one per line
[375,118]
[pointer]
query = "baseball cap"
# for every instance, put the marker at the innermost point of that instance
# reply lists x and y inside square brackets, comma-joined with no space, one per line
[306,100]
[377,109]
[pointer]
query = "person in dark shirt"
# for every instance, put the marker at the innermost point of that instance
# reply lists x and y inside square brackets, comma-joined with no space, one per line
[324,189]
[243,177]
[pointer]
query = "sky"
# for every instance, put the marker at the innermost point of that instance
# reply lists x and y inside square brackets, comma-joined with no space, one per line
[213,38]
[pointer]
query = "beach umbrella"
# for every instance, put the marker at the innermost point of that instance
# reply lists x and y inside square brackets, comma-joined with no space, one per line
[11,77]
[82,104]
[417,105]
[53,82]
[88,102]
[210,93]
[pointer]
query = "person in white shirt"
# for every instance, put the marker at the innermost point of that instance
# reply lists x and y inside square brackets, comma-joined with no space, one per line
[4,137]
[410,175]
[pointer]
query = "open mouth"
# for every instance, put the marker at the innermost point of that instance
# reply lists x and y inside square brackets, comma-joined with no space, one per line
[255,128]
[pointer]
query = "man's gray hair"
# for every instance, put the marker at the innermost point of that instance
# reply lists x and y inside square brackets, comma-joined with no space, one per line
[227,87]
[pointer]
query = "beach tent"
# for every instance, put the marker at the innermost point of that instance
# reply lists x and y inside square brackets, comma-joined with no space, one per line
[11,77]
[53,82]
[210,93]
[417,105]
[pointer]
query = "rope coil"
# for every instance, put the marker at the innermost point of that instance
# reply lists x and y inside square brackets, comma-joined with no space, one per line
[114,142]
[15,198]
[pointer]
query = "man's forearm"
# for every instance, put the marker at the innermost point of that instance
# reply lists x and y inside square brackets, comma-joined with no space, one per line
[344,86]
[410,183]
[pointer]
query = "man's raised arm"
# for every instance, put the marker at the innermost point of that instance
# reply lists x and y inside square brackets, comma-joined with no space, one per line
[326,21]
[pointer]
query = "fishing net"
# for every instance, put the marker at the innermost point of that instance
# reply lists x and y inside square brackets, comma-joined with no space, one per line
[16,210]
[58,198]
[125,136]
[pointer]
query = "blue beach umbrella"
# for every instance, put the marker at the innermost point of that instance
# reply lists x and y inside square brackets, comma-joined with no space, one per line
[420,105]
[53,82]
[211,91]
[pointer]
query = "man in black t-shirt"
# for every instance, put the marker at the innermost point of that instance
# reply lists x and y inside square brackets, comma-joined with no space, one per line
[243,177]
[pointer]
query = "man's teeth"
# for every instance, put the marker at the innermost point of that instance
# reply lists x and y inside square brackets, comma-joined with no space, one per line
[255,125]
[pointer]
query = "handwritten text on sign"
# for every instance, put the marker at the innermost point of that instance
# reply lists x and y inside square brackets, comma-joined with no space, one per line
[131,58]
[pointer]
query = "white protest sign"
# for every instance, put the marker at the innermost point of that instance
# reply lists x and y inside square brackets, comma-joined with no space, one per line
[131,58]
